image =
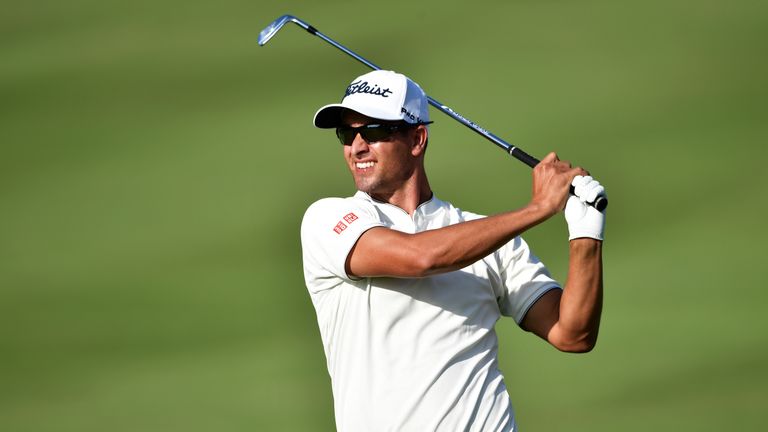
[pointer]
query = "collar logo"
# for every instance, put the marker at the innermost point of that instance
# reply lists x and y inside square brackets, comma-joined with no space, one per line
[364,87]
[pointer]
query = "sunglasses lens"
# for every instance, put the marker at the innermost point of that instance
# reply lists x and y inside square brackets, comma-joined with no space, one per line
[346,135]
[376,134]
[370,133]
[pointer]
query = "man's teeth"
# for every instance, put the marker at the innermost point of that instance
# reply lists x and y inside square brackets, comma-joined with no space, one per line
[364,165]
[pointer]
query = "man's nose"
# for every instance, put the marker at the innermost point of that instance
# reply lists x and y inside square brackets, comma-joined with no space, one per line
[359,145]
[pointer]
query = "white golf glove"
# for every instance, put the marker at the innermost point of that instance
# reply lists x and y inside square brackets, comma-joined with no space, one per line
[583,219]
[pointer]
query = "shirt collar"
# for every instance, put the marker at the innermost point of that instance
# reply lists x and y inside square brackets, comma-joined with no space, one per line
[426,208]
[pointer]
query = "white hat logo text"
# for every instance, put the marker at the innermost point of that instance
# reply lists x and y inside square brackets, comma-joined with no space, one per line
[363,87]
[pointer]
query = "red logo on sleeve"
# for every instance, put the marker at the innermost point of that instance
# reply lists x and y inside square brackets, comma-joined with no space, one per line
[350,218]
[341,226]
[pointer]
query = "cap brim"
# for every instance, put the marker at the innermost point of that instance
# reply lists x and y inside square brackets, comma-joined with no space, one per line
[329,116]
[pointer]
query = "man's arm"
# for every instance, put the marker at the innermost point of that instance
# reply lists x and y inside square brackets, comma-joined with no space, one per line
[569,320]
[385,252]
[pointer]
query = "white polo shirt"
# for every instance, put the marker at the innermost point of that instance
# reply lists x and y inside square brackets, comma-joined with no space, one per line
[414,354]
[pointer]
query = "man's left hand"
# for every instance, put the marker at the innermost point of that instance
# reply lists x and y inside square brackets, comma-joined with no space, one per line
[583,219]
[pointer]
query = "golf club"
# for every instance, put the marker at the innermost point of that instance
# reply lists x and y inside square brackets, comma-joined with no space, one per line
[600,203]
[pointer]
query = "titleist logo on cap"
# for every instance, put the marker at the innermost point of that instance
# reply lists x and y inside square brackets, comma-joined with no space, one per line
[363,87]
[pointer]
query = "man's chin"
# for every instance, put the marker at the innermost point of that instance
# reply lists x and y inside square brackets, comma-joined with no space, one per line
[364,185]
[364,188]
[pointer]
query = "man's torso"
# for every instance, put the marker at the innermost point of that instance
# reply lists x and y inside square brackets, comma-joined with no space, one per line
[409,354]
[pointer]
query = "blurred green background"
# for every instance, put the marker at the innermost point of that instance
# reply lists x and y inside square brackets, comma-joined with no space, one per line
[155,164]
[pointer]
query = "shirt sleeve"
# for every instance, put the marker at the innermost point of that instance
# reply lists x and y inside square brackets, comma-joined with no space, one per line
[329,230]
[525,279]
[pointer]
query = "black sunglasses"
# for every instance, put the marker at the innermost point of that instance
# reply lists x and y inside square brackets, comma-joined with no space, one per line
[371,133]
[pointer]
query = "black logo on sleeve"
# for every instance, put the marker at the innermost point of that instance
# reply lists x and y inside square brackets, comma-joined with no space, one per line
[364,87]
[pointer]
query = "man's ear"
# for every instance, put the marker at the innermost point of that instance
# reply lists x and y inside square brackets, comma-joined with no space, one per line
[420,138]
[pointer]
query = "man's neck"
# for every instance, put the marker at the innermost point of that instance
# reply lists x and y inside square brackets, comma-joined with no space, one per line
[409,197]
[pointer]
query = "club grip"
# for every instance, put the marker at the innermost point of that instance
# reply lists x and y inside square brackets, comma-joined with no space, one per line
[523,157]
[600,203]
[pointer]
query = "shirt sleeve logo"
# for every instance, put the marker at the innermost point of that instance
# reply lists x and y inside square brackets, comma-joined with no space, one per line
[341,226]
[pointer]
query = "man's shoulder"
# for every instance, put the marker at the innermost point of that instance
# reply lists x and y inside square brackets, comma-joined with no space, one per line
[339,213]
[325,204]
[463,215]
[334,204]
[468,215]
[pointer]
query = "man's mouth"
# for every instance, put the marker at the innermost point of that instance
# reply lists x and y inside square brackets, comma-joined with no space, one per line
[364,165]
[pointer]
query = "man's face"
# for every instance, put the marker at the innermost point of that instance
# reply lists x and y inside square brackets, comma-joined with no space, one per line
[380,168]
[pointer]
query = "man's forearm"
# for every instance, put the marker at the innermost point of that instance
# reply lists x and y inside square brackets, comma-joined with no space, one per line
[384,252]
[581,302]
[457,246]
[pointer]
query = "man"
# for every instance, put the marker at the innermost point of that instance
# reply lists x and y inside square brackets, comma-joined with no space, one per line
[408,288]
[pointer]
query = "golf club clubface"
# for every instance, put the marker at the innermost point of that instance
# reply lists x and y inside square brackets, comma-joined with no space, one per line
[600,203]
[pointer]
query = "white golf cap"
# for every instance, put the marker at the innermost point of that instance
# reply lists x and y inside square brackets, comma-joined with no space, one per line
[382,95]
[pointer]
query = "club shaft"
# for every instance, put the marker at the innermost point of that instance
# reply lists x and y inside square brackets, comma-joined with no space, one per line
[509,148]
[600,202]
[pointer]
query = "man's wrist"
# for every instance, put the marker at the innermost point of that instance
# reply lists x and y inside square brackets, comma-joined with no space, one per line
[539,211]
[586,246]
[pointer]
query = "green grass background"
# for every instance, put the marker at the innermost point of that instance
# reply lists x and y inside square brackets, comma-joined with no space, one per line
[155,163]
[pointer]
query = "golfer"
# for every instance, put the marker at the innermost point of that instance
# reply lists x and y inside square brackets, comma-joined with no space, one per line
[408,288]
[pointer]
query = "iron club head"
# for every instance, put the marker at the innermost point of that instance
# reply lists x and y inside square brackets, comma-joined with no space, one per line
[273,28]
[277,24]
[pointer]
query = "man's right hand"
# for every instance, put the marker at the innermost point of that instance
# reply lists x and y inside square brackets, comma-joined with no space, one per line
[551,183]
